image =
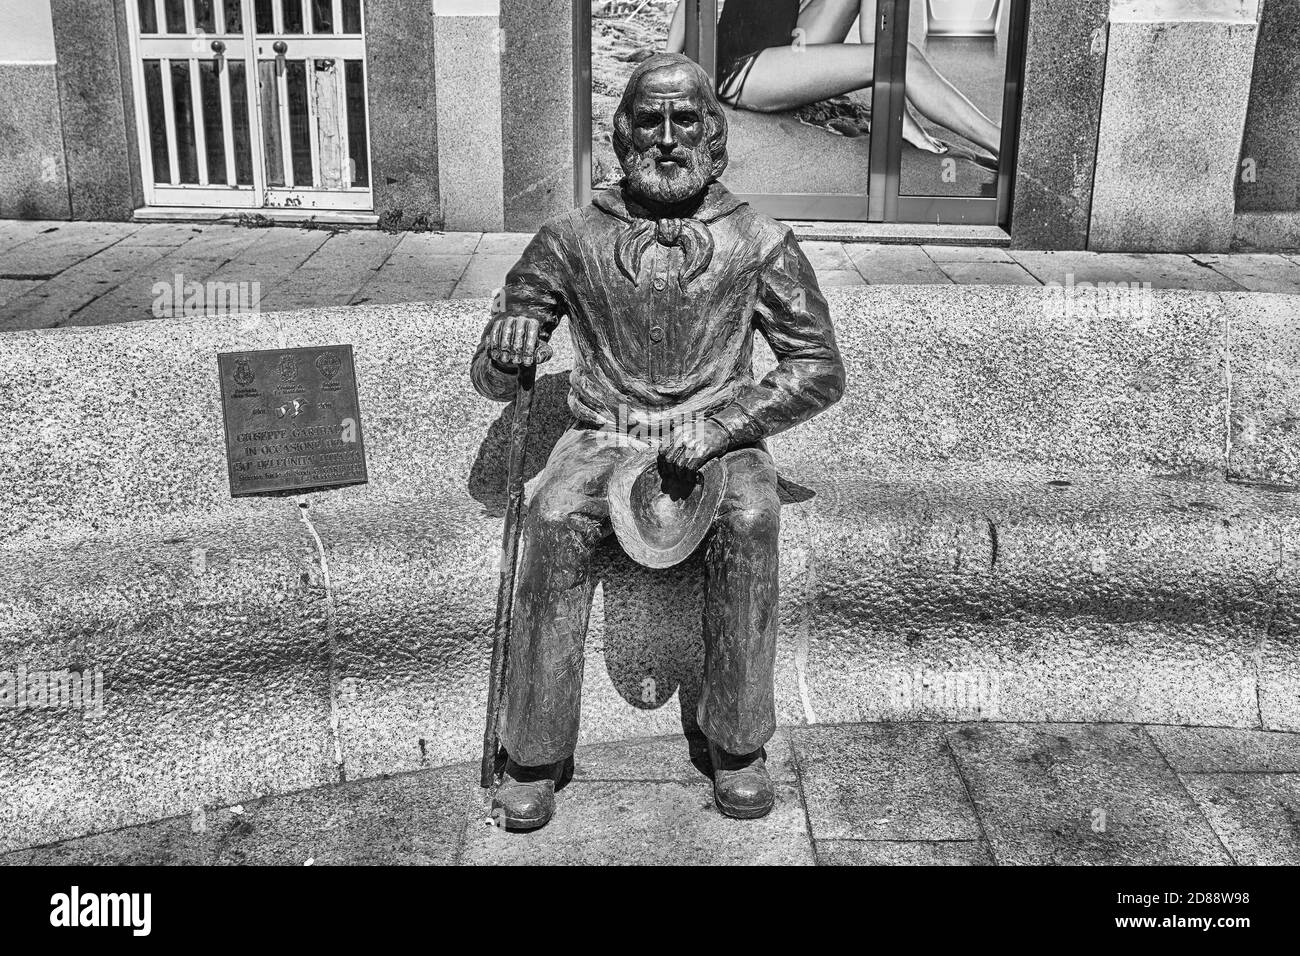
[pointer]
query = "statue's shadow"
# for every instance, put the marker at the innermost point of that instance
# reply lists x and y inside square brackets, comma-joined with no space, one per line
[653,623]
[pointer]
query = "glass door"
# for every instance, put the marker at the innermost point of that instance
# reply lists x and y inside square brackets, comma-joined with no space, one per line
[311,103]
[869,110]
[959,84]
[193,91]
[252,103]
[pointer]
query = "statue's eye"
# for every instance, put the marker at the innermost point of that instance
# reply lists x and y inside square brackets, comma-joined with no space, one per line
[687,119]
[647,120]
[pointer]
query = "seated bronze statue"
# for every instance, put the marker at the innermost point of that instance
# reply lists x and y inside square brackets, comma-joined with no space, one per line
[664,280]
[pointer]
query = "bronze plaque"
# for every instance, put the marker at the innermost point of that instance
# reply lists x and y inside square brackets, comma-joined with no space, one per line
[293,420]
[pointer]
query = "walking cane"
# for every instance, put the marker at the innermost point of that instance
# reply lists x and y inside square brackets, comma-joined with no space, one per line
[509,546]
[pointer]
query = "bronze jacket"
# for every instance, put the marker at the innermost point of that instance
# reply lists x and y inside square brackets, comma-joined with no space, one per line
[663,313]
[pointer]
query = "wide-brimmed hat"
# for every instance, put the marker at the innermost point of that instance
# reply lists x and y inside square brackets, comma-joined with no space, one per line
[658,522]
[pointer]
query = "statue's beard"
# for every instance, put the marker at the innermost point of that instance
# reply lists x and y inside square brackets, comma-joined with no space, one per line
[668,184]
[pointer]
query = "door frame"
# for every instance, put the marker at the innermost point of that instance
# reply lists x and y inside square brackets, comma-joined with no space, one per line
[951,210]
[258,196]
[169,194]
[883,203]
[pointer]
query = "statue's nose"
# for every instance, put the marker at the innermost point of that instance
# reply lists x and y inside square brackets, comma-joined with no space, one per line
[667,140]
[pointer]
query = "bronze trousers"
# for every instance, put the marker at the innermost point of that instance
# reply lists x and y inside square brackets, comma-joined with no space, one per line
[567,518]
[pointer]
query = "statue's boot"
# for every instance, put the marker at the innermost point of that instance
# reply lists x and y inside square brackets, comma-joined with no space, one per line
[742,787]
[526,798]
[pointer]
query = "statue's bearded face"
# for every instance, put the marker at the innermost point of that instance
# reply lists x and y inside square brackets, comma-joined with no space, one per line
[669,161]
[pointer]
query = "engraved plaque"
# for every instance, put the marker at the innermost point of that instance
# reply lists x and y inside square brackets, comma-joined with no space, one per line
[293,420]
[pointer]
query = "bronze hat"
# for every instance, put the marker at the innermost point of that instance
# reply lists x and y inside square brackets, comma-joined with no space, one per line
[659,525]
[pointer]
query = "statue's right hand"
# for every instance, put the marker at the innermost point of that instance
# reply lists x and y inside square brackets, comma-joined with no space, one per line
[515,340]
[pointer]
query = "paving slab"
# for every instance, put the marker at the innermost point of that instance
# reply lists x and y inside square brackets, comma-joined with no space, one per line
[1227,749]
[334,274]
[385,290]
[412,819]
[644,801]
[178,841]
[1070,794]
[207,244]
[273,255]
[947,253]
[484,275]
[827,256]
[14,232]
[253,261]
[56,301]
[418,269]
[980,272]
[1163,271]
[896,265]
[839,278]
[646,823]
[49,253]
[11,289]
[669,759]
[156,281]
[447,243]
[172,234]
[1255,272]
[907,853]
[1256,815]
[894,782]
[503,243]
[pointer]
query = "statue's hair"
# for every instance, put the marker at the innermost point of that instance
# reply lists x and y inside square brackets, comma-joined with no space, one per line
[715,120]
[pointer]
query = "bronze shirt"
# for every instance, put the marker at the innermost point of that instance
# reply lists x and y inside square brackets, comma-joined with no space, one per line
[666,344]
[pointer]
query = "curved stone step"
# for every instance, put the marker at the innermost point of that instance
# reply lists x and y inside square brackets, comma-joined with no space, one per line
[931,566]
[893,793]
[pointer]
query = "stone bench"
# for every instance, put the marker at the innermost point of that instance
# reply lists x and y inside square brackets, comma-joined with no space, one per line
[1010,516]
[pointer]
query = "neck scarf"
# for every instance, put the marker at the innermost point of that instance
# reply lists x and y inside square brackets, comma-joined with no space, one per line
[690,234]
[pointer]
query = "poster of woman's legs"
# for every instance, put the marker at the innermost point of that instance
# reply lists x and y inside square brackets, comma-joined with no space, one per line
[797,78]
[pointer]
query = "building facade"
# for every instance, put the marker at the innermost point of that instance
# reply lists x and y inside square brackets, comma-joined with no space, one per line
[1156,125]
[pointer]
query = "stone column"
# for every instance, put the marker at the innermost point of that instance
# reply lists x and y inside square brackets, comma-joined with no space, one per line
[403,112]
[33,173]
[1173,112]
[467,68]
[95,103]
[537,121]
[1060,111]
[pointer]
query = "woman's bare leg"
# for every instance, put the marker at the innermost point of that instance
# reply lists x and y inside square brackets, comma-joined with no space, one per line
[946,105]
[785,78]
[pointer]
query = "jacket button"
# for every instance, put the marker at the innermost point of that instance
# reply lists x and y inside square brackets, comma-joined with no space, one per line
[660,284]
[656,334]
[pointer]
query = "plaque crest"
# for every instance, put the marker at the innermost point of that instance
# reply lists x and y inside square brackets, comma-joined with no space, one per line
[328,364]
[243,374]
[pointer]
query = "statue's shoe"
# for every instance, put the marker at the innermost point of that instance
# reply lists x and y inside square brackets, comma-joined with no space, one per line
[742,787]
[526,798]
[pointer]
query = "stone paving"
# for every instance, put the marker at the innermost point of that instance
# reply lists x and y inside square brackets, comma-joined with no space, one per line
[901,793]
[91,273]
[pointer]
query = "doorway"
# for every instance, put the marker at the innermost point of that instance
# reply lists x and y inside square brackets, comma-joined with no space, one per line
[252,104]
[823,123]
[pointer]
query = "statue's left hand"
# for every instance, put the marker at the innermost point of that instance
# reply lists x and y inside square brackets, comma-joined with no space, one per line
[690,447]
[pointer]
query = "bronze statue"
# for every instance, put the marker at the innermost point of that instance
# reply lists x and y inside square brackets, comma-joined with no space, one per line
[664,279]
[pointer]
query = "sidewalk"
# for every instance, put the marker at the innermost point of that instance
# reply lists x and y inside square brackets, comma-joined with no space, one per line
[906,793]
[92,273]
